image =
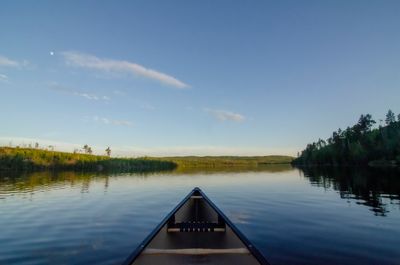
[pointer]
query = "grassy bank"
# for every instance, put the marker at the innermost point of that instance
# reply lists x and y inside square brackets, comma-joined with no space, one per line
[30,159]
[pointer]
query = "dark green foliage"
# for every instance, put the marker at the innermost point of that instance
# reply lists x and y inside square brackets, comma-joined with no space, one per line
[35,159]
[357,145]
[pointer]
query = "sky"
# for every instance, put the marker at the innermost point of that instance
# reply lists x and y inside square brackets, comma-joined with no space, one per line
[194,77]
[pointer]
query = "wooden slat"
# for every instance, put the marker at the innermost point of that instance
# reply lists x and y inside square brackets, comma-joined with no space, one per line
[195,251]
[196,197]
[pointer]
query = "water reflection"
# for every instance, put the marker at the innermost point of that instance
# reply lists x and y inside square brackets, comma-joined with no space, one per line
[14,182]
[375,188]
[270,168]
[309,216]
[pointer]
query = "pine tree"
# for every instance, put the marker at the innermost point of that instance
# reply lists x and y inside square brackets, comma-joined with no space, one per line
[390,118]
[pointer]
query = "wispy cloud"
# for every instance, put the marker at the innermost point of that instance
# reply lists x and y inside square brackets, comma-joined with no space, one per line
[4,78]
[224,115]
[112,122]
[83,60]
[6,62]
[90,96]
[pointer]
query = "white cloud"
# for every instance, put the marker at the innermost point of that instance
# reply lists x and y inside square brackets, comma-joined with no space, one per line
[108,65]
[112,122]
[6,62]
[224,115]
[89,96]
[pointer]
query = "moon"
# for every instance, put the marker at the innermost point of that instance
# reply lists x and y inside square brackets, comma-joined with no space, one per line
[51,53]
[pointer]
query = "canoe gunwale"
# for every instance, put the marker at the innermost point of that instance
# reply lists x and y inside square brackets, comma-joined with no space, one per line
[155,231]
[252,249]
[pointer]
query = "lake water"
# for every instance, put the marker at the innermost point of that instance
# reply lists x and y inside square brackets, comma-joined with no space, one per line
[347,216]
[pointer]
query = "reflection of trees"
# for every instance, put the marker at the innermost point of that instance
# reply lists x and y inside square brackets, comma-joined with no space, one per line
[370,187]
[272,168]
[24,182]
[12,182]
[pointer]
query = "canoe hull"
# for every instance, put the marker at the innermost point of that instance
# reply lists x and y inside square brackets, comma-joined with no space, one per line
[196,232]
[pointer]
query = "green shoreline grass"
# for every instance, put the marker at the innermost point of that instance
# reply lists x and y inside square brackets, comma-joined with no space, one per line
[30,159]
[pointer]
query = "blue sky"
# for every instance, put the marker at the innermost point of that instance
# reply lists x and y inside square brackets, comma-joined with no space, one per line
[194,77]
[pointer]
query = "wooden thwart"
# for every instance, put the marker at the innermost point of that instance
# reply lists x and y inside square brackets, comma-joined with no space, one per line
[195,251]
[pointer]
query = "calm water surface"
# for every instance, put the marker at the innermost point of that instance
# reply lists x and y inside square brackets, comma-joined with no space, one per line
[293,216]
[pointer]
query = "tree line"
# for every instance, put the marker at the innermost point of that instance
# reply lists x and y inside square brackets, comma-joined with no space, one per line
[359,144]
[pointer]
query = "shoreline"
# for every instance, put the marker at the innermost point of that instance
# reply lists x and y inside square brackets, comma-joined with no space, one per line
[32,159]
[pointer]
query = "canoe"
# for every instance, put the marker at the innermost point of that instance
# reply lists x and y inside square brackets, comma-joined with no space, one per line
[196,232]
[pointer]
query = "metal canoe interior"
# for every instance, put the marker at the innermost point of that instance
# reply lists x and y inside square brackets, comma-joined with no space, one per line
[195,234]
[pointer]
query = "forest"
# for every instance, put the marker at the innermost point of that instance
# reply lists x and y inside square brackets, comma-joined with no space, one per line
[364,143]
